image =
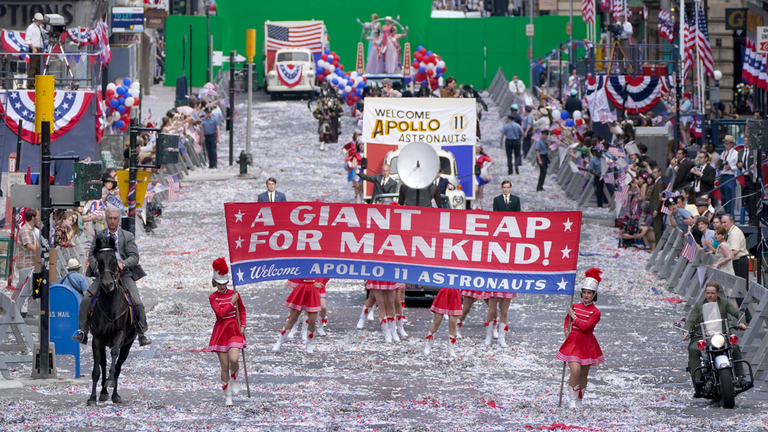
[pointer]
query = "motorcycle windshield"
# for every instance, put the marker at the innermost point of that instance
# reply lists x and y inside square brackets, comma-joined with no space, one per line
[711,320]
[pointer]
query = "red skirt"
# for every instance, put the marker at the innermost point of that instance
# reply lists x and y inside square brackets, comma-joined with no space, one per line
[447,302]
[383,286]
[291,284]
[582,348]
[504,295]
[477,295]
[226,334]
[304,297]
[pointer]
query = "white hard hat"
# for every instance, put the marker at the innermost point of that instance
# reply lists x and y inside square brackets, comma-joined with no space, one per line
[39,16]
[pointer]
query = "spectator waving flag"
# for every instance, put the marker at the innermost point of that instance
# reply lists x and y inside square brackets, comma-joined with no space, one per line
[173,187]
[689,251]
[616,152]
[702,40]
[622,190]
[609,178]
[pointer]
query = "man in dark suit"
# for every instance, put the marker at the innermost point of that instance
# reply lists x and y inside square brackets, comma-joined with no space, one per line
[271,195]
[420,197]
[130,271]
[382,183]
[683,170]
[749,192]
[703,176]
[656,201]
[506,201]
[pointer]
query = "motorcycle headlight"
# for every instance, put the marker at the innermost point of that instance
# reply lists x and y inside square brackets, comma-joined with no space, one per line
[717,340]
[457,200]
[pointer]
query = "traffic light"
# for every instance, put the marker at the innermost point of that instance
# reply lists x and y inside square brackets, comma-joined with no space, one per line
[167,149]
[87,181]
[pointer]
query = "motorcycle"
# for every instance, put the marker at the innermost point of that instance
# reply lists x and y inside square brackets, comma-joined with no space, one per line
[716,346]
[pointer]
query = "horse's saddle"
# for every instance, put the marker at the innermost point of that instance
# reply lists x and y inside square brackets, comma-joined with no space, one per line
[128,298]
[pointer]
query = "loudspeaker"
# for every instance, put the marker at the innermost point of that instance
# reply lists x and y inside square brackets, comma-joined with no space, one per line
[167,149]
[756,134]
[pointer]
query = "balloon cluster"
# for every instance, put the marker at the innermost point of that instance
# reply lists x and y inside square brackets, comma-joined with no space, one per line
[577,119]
[120,97]
[430,68]
[349,85]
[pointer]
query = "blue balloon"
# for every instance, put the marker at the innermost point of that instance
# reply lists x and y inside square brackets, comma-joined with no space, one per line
[439,75]
[419,48]
[120,90]
[121,101]
[407,80]
[361,84]
[569,123]
[429,53]
[438,70]
[113,103]
[320,71]
[425,83]
[335,81]
[564,115]
[119,124]
[120,109]
[327,51]
[422,69]
[344,94]
[330,59]
[127,82]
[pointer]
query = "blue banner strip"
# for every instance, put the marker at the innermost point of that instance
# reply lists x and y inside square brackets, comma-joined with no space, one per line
[469,279]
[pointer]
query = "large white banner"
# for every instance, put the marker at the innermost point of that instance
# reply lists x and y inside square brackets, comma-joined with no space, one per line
[441,122]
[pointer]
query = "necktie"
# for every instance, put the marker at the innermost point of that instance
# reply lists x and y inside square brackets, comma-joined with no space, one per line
[383,181]
[271,197]
[506,199]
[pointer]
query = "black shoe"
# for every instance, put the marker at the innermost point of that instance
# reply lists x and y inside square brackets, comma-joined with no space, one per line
[517,171]
[80,336]
[144,340]
[697,395]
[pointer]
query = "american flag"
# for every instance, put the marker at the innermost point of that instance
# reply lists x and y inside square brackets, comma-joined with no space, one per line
[665,194]
[666,27]
[622,190]
[609,178]
[294,36]
[588,11]
[702,39]
[690,45]
[599,146]
[173,187]
[616,152]
[689,251]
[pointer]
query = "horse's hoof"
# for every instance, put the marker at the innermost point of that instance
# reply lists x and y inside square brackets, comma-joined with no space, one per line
[117,399]
[110,383]
[92,401]
[103,396]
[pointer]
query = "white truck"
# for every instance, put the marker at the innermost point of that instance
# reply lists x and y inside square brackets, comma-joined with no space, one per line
[290,51]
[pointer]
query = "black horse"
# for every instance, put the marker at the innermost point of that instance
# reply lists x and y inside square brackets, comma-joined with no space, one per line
[112,324]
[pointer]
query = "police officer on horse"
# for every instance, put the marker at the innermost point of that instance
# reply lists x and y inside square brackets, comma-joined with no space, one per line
[130,271]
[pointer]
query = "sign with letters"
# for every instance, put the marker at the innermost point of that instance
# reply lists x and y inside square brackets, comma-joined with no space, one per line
[534,253]
[127,19]
[762,40]
[736,19]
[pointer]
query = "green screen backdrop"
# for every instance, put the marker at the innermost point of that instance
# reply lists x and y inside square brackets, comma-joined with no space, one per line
[472,48]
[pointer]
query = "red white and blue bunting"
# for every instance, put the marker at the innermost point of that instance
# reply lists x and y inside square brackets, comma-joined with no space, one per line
[642,93]
[68,109]
[289,74]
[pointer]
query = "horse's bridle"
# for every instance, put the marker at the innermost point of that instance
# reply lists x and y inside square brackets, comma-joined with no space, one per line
[114,276]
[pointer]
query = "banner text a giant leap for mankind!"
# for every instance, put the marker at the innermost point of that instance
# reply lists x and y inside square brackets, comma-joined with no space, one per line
[486,251]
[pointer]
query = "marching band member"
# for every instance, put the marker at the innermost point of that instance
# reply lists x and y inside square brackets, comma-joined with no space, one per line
[580,349]
[227,338]
[385,293]
[304,297]
[498,306]
[446,302]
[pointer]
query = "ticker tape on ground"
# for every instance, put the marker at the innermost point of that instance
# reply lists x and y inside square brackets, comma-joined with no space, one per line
[478,250]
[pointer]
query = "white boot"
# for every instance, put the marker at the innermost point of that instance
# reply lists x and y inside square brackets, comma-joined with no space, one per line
[227,396]
[502,335]
[322,146]
[451,344]
[393,329]
[430,341]
[580,398]
[458,330]
[371,311]
[304,327]
[283,336]
[488,334]
[320,324]
[574,396]
[295,328]
[234,385]
[361,321]
[385,329]
[495,329]
[310,343]
[400,322]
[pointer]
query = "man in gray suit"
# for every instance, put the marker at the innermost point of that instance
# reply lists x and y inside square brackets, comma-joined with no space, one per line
[271,195]
[382,183]
[130,271]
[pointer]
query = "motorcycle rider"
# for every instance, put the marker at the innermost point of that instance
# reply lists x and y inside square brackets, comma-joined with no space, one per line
[711,293]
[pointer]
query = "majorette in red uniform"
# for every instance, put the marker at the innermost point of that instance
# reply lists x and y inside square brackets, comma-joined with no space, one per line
[469,297]
[446,302]
[322,319]
[498,306]
[580,349]
[385,294]
[228,336]
[304,297]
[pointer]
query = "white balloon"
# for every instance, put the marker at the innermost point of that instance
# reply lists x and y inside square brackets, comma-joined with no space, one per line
[556,114]
[331,68]
[577,115]
[111,86]
[441,64]
[321,63]
[440,81]
[358,80]
[348,89]
[429,66]
[353,75]
[129,102]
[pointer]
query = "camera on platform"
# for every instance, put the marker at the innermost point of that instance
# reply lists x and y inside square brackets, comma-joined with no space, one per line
[54,25]
[629,225]
[618,29]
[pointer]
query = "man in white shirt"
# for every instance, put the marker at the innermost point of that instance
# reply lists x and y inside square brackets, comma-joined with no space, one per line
[516,86]
[624,40]
[685,119]
[387,90]
[34,39]
[729,159]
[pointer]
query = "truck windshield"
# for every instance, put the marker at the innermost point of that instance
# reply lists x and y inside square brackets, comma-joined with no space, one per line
[293,56]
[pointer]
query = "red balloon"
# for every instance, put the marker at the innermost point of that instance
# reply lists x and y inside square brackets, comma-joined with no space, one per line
[432,58]
[579,122]
[423,51]
[110,93]
[341,66]
[444,68]
[365,79]
[125,128]
[415,64]
[135,101]
[419,76]
[350,103]
[333,53]
[326,72]
[336,63]
[125,117]
[321,77]
[430,72]
[557,131]
[324,57]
